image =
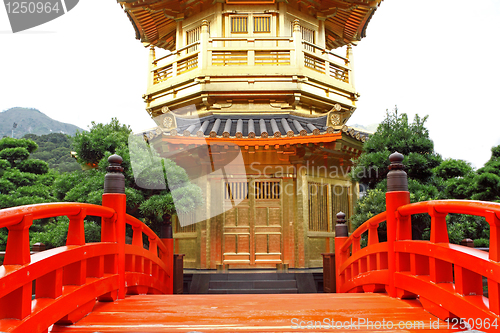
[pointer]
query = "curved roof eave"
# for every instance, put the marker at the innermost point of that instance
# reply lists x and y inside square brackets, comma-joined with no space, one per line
[154,21]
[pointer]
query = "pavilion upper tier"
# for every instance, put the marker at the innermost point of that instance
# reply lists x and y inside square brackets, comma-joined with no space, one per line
[339,22]
[240,56]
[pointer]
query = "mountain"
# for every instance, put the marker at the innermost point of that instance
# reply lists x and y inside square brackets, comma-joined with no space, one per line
[369,128]
[31,121]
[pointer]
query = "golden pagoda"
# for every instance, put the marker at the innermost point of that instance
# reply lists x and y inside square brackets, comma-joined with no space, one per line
[258,78]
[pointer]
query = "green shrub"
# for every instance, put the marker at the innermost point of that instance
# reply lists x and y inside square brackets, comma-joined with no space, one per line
[14,154]
[92,232]
[6,186]
[481,242]
[29,145]
[4,165]
[54,233]
[3,238]
[33,166]
[19,178]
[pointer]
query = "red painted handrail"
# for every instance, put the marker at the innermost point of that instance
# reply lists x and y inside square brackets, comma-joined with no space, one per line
[71,278]
[137,225]
[14,215]
[446,278]
[371,226]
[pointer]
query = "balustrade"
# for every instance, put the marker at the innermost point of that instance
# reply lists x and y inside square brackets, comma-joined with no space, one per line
[262,51]
[446,278]
[71,278]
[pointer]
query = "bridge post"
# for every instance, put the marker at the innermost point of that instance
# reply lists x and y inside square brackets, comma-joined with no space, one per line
[114,197]
[168,258]
[341,234]
[397,195]
[17,304]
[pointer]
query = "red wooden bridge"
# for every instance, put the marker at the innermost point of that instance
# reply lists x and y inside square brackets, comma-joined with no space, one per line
[397,285]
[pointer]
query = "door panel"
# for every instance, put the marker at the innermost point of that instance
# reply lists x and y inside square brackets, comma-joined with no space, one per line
[268,222]
[252,231]
[236,227]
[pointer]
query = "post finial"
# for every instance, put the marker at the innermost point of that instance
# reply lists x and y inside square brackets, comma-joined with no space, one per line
[204,26]
[114,181]
[341,227]
[296,25]
[397,179]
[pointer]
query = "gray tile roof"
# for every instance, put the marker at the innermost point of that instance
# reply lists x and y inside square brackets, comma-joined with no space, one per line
[258,126]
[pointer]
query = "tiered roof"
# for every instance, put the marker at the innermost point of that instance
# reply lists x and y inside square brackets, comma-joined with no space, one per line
[155,21]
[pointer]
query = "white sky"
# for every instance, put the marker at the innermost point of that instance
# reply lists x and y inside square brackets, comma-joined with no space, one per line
[432,57]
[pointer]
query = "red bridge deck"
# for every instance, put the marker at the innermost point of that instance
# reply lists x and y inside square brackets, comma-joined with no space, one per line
[257,313]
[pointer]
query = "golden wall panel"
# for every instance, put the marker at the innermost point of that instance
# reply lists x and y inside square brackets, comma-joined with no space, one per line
[316,246]
[230,217]
[243,245]
[243,218]
[230,243]
[274,243]
[190,248]
[261,243]
[261,216]
[274,215]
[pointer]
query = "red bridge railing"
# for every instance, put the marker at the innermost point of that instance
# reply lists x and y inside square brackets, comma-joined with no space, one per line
[70,279]
[446,278]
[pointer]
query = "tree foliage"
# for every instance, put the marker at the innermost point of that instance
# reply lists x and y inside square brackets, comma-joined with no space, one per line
[54,232]
[23,181]
[395,133]
[150,202]
[458,178]
[429,177]
[13,155]
[412,140]
[487,181]
[30,145]
[34,166]
[91,146]
[55,149]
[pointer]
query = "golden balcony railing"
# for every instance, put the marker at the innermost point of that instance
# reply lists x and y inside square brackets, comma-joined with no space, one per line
[272,58]
[259,52]
[229,58]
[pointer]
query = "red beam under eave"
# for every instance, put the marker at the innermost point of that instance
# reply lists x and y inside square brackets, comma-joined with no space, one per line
[189,140]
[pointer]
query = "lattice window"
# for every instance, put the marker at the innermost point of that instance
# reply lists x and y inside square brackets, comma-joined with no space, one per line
[189,219]
[262,24]
[193,36]
[318,207]
[307,34]
[272,58]
[239,24]
[267,190]
[340,201]
[229,58]
[236,190]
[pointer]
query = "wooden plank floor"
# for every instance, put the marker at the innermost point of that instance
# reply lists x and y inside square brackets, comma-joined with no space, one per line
[258,313]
